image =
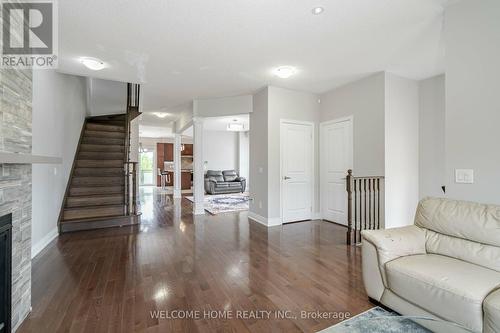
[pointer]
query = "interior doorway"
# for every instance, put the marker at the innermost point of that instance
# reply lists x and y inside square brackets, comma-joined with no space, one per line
[146,175]
[336,157]
[297,178]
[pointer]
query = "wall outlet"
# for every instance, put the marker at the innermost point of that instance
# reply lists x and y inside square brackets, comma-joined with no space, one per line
[464,176]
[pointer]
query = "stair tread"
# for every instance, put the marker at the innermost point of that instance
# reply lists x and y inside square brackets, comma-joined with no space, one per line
[94,219]
[93,207]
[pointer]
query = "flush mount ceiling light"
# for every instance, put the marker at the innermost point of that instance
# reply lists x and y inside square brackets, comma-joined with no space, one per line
[161,114]
[284,72]
[235,127]
[93,63]
[318,10]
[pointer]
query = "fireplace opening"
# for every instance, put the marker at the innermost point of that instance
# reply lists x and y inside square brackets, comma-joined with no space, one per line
[5,272]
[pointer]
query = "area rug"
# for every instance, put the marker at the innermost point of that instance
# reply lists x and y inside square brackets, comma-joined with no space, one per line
[376,320]
[224,203]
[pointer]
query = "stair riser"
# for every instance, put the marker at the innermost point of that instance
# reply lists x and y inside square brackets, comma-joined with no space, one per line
[102,148]
[97,181]
[102,141]
[75,191]
[85,213]
[99,172]
[100,156]
[103,134]
[102,127]
[99,164]
[72,202]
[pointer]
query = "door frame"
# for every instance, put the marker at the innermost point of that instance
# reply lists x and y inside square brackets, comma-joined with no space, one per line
[322,146]
[313,165]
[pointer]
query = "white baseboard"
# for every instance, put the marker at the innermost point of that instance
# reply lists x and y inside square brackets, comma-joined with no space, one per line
[268,222]
[42,243]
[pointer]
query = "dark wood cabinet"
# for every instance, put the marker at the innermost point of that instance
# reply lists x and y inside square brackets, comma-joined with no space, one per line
[186,180]
[169,152]
[188,150]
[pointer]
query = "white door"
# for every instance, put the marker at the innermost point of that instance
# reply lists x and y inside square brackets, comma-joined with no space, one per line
[336,155]
[296,171]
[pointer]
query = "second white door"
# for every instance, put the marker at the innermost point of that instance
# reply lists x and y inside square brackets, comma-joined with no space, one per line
[336,155]
[296,170]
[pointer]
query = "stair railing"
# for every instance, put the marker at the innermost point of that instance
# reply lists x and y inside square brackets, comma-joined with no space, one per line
[365,197]
[130,168]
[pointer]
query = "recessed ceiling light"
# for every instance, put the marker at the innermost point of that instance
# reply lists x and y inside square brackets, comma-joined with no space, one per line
[318,10]
[285,72]
[93,63]
[161,114]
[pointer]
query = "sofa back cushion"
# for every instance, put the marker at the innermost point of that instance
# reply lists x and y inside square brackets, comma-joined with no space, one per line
[229,175]
[467,220]
[215,174]
[476,253]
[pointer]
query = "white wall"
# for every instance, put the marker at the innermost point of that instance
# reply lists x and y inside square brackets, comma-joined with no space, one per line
[472,32]
[105,97]
[258,154]
[401,150]
[290,105]
[220,150]
[364,99]
[225,106]
[59,109]
[432,137]
[244,156]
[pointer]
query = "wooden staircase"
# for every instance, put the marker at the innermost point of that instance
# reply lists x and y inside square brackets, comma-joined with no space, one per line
[99,187]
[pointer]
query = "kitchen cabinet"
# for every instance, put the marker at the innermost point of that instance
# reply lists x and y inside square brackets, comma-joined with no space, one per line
[186,180]
[188,150]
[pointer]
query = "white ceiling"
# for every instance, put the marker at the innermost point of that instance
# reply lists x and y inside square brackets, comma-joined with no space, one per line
[187,49]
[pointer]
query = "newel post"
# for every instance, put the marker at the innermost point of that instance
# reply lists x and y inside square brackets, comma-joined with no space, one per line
[349,205]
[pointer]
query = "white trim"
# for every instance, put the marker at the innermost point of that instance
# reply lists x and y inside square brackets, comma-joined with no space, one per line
[272,222]
[42,243]
[321,145]
[317,216]
[313,165]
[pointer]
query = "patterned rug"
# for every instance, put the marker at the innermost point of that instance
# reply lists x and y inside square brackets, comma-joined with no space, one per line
[224,203]
[376,320]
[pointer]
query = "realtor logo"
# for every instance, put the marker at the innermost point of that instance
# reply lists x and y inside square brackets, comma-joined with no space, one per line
[29,34]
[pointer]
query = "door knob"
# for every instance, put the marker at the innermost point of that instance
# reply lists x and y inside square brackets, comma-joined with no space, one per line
[286,178]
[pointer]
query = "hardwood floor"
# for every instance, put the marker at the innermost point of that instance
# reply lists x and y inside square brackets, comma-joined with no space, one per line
[111,280]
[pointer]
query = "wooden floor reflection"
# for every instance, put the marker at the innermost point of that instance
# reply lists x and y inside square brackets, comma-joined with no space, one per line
[113,280]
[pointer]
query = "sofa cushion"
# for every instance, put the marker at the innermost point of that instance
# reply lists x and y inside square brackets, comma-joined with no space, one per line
[473,252]
[462,219]
[222,184]
[229,175]
[450,288]
[492,312]
[216,175]
[234,184]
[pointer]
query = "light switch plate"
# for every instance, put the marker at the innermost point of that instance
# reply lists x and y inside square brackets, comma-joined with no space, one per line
[464,176]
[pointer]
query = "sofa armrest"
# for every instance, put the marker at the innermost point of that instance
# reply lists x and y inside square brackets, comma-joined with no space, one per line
[387,245]
[240,179]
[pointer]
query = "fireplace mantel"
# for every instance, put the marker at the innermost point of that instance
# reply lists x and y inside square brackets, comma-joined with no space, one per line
[19,158]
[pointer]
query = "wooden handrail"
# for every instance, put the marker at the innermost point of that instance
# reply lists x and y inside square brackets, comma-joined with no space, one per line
[364,197]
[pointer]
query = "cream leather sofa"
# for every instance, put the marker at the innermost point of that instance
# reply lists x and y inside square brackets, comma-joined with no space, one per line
[446,266]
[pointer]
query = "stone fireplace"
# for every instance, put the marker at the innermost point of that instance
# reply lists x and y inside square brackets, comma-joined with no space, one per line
[15,183]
